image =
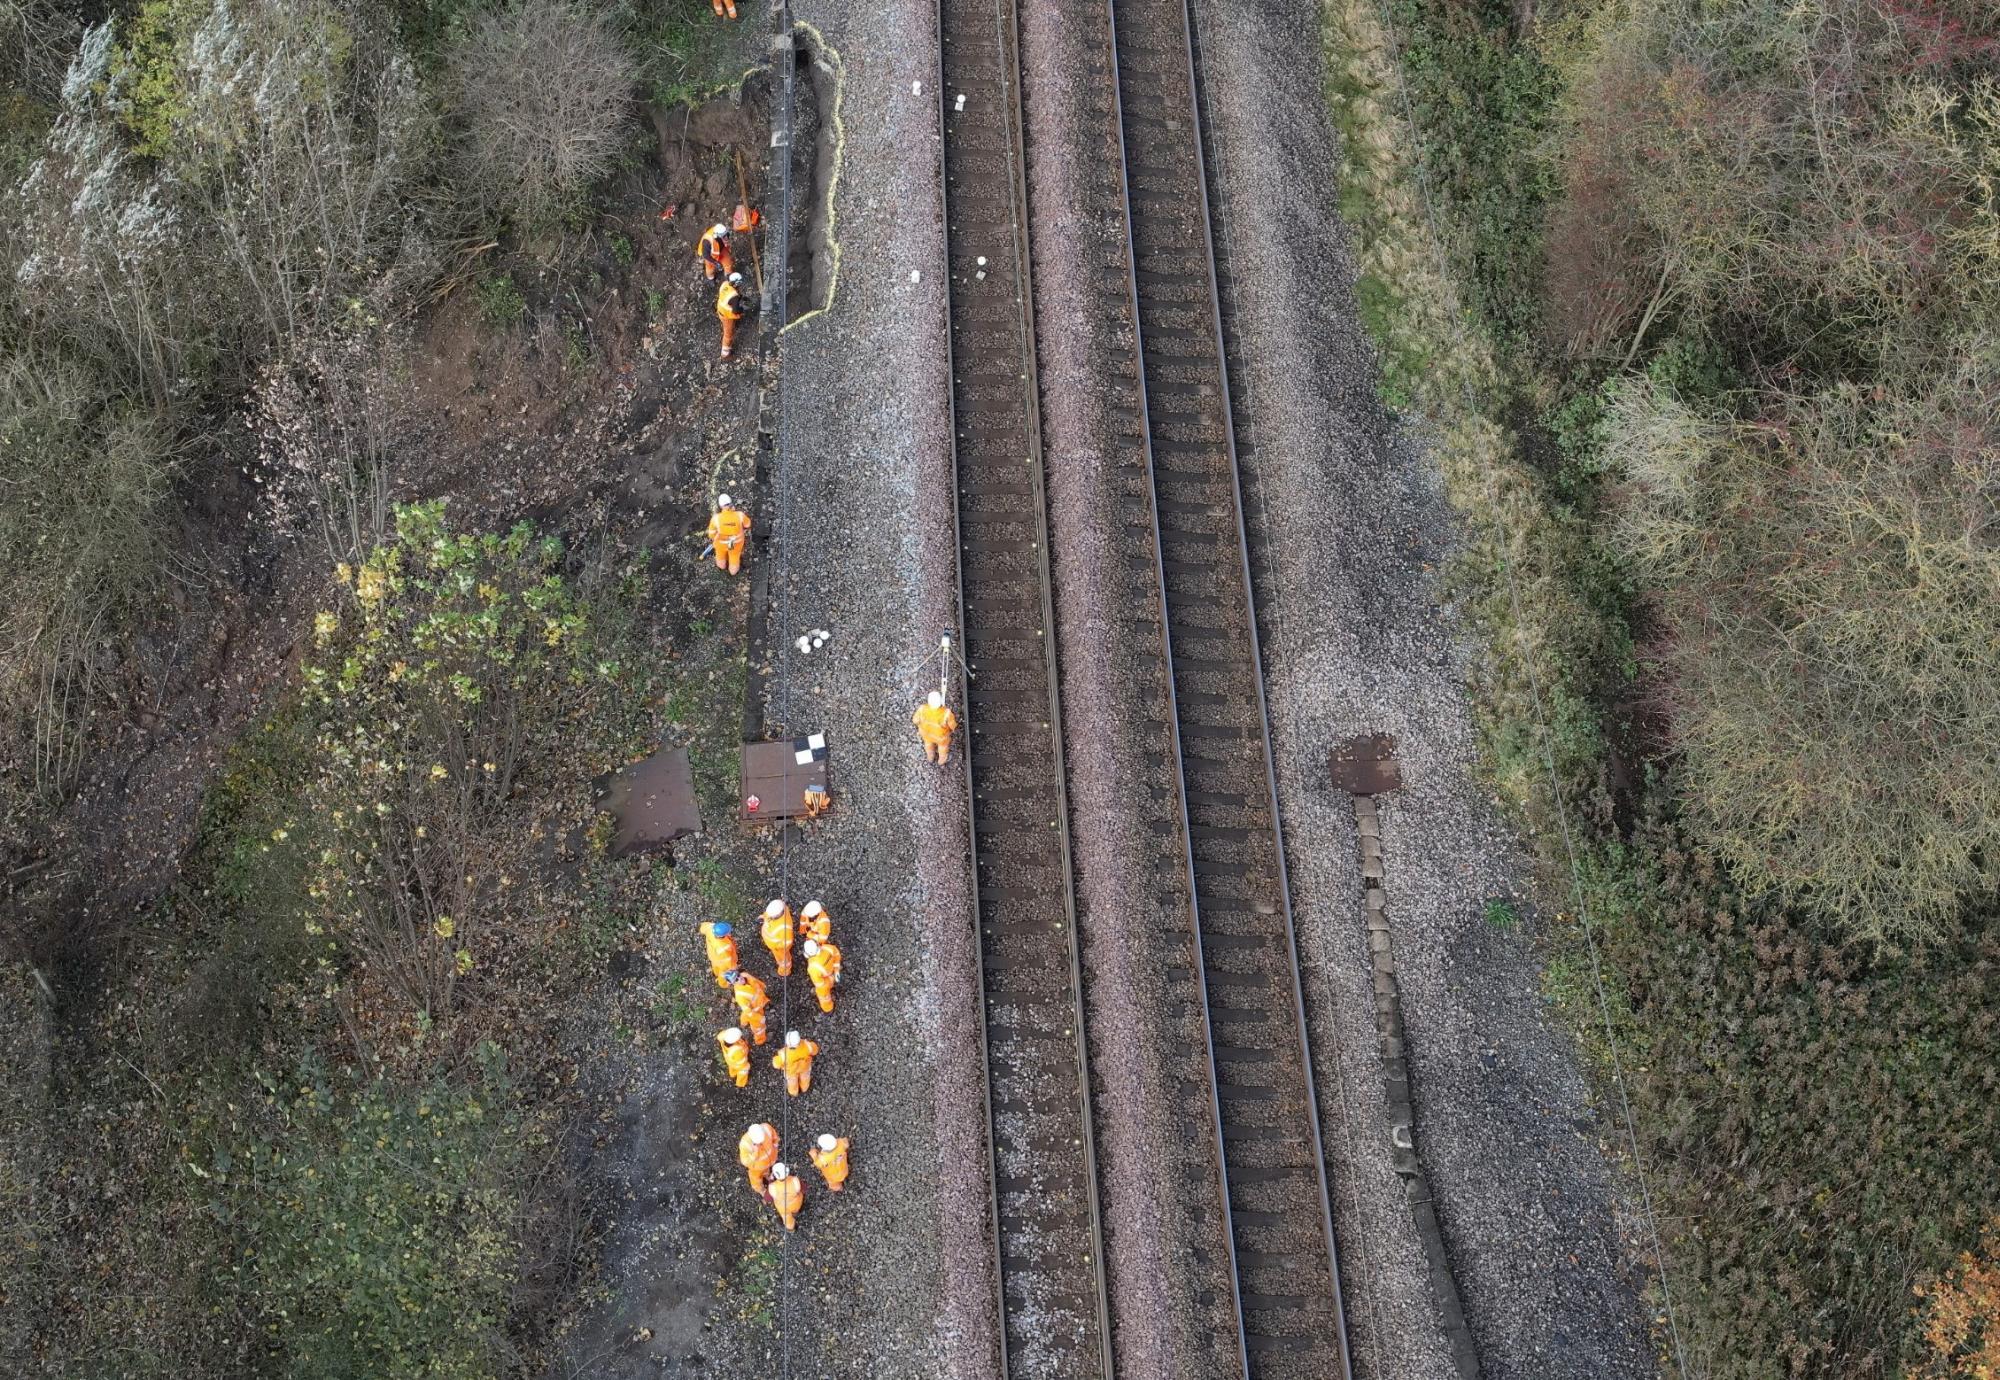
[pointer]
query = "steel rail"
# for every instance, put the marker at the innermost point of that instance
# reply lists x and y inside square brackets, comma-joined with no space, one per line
[1045,1216]
[1283,1340]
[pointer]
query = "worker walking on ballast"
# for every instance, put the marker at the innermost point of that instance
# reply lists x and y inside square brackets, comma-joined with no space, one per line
[751,999]
[786,1194]
[757,1152]
[795,1061]
[713,249]
[778,935]
[829,1157]
[721,942]
[728,533]
[731,306]
[823,967]
[935,724]
[735,1055]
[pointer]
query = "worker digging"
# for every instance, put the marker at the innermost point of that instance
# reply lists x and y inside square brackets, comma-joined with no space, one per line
[728,534]
[795,1061]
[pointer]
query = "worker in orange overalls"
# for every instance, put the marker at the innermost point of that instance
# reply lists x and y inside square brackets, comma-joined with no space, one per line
[935,724]
[714,252]
[724,6]
[731,306]
[728,533]
[795,1061]
[721,950]
[751,999]
[778,935]
[818,924]
[816,800]
[823,967]
[757,1152]
[735,1057]
[829,1157]
[786,1194]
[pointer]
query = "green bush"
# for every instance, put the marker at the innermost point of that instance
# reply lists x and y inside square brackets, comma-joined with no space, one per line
[377,1223]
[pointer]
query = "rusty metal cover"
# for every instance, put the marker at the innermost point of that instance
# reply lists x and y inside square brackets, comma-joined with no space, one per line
[776,776]
[1366,765]
[653,802]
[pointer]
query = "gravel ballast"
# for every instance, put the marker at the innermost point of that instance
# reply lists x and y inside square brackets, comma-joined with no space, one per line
[1349,526]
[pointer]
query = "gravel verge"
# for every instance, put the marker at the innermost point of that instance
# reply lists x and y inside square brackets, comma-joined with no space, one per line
[1350,524]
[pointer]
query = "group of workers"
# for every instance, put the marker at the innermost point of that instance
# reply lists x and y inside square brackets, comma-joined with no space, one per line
[770,1178]
[716,252]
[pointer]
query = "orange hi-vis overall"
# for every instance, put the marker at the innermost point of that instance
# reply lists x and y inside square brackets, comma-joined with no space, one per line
[815,801]
[935,726]
[823,967]
[817,927]
[750,1003]
[832,1164]
[729,309]
[736,1059]
[796,1063]
[778,939]
[722,6]
[757,1159]
[714,252]
[788,1195]
[729,530]
[721,953]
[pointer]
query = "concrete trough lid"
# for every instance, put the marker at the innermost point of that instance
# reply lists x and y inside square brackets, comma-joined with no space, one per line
[653,802]
[1366,765]
[776,775]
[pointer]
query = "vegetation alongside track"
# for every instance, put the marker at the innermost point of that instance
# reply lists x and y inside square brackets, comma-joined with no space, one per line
[1705,328]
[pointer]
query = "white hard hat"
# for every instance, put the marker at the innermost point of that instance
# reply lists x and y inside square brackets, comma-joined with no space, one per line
[736,277]
[756,1134]
[775,909]
[791,1039]
[813,908]
[937,699]
[812,947]
[827,1143]
[733,1034]
[722,501]
[781,1170]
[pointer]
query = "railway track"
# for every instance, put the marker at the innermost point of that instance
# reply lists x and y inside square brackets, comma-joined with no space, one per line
[1287,1271]
[1054,1318]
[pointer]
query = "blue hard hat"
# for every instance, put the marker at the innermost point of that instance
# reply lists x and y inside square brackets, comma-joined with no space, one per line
[732,975]
[722,927]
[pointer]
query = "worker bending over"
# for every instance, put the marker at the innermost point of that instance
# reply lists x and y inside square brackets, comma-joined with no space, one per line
[795,1061]
[778,935]
[818,924]
[757,1152]
[731,306]
[787,1194]
[751,1000]
[721,950]
[829,1157]
[728,533]
[816,800]
[935,724]
[714,252]
[735,1055]
[823,967]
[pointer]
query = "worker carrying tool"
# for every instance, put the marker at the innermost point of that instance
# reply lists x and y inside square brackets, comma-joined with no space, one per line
[731,306]
[735,1055]
[818,924]
[795,1061]
[816,800]
[786,1194]
[935,724]
[721,942]
[829,1157]
[751,999]
[778,935]
[823,967]
[728,533]
[714,251]
[757,1152]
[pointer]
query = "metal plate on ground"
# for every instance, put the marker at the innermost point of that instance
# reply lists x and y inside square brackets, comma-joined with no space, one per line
[1366,765]
[653,802]
[775,776]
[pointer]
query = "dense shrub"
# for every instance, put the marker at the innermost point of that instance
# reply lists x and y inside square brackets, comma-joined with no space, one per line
[83,476]
[542,94]
[1962,1316]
